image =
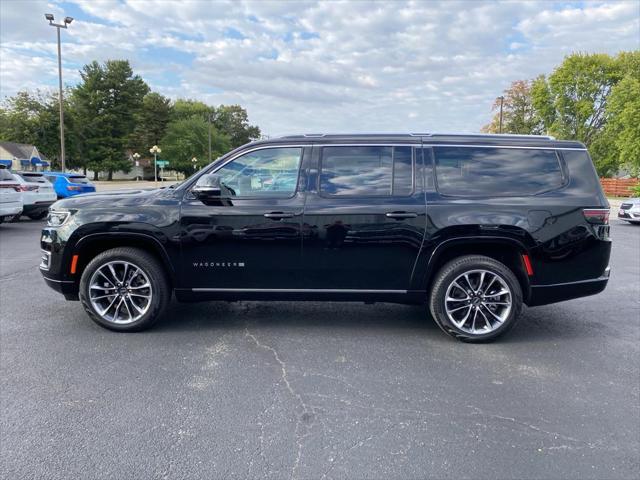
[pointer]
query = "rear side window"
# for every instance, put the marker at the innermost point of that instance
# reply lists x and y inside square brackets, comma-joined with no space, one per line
[78,179]
[33,177]
[476,171]
[366,171]
[6,175]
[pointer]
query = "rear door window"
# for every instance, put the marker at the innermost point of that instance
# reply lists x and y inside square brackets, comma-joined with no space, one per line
[78,179]
[496,171]
[366,171]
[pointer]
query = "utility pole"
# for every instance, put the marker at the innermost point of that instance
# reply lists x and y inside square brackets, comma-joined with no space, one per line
[67,21]
[501,102]
[210,120]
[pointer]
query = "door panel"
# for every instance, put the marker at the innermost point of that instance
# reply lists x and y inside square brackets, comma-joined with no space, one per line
[363,242]
[252,240]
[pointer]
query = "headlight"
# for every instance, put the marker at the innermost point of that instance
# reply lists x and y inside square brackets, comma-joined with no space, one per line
[57,218]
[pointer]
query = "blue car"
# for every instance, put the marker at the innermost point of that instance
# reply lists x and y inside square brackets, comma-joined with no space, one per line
[69,184]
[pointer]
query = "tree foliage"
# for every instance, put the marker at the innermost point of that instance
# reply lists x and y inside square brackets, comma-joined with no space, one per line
[112,113]
[592,98]
[187,138]
[518,113]
[106,101]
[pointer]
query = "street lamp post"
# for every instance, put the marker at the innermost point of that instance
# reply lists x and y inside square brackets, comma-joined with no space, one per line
[67,21]
[195,163]
[136,158]
[155,150]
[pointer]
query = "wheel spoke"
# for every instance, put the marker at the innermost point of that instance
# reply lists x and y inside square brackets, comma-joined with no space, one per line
[473,323]
[104,312]
[461,322]
[459,308]
[140,310]
[482,275]
[106,278]
[113,273]
[501,292]
[499,319]
[105,296]
[126,305]
[146,285]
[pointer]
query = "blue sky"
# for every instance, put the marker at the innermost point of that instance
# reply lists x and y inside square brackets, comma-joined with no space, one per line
[318,66]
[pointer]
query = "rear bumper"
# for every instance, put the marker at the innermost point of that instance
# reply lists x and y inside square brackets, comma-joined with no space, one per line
[37,207]
[9,209]
[545,294]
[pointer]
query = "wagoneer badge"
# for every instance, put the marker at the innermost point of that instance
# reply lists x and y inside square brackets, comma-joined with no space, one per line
[218,264]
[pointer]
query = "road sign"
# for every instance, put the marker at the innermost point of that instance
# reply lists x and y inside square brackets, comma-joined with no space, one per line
[163,163]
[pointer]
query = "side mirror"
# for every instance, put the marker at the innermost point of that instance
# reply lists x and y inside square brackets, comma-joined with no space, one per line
[207,187]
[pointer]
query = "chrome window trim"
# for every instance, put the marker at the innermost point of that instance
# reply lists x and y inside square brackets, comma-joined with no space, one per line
[501,146]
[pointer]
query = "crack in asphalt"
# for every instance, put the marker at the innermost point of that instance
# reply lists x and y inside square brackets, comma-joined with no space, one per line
[284,376]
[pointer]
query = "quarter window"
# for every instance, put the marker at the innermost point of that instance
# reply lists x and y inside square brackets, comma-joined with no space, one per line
[366,171]
[269,172]
[476,171]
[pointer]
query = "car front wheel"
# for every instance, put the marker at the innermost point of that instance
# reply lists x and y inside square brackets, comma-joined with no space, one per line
[124,289]
[475,298]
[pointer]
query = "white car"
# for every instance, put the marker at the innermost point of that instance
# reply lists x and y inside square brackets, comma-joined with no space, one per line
[37,194]
[630,210]
[10,196]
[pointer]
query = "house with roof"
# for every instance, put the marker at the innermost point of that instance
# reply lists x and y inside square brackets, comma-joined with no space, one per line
[21,156]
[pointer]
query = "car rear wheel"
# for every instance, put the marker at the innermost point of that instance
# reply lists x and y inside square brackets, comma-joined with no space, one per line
[475,298]
[124,289]
[38,216]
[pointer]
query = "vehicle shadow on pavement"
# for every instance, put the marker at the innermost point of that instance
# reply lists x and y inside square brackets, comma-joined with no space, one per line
[208,315]
[542,324]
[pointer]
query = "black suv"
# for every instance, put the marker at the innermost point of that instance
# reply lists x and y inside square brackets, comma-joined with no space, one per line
[472,225]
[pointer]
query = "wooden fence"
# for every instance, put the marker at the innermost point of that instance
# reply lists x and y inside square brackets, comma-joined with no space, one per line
[619,187]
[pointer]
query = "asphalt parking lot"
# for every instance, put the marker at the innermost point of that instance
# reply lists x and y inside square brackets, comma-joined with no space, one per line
[313,390]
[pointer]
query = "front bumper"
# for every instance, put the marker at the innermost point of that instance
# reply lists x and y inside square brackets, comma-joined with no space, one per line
[559,292]
[68,288]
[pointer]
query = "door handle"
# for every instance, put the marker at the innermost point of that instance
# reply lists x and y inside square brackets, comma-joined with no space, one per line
[279,215]
[401,215]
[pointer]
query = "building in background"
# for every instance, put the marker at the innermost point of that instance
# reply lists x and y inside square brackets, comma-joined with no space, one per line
[21,156]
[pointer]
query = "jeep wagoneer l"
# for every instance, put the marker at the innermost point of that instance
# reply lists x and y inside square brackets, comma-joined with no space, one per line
[472,226]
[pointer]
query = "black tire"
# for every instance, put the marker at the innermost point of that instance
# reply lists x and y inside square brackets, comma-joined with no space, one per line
[160,288]
[38,216]
[451,271]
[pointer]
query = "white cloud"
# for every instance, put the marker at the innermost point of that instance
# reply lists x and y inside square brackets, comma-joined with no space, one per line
[320,66]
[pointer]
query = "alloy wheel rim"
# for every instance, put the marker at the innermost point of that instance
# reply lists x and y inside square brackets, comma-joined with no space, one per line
[478,301]
[120,292]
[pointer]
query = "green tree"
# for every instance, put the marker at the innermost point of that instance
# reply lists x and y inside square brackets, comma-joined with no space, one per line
[151,122]
[575,95]
[623,124]
[519,115]
[107,101]
[183,109]
[233,121]
[189,137]
[33,118]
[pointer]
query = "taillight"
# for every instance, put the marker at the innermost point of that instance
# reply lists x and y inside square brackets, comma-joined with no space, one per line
[27,188]
[15,186]
[74,188]
[598,216]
